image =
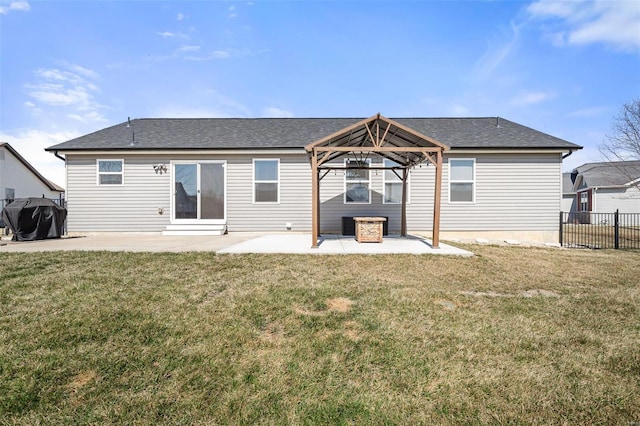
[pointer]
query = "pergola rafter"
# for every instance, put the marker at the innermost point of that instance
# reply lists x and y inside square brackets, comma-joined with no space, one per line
[380,136]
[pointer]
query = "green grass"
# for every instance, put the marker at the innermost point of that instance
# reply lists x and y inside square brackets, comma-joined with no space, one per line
[198,338]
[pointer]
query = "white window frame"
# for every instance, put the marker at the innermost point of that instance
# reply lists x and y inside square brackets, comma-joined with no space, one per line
[384,182]
[472,181]
[254,181]
[584,201]
[172,192]
[361,181]
[99,173]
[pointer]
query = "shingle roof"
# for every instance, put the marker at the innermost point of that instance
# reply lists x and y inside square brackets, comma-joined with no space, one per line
[567,183]
[610,173]
[261,133]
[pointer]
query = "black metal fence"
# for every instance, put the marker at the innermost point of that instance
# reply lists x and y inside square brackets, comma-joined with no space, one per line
[600,230]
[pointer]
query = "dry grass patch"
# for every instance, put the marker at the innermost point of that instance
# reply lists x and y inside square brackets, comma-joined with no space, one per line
[81,380]
[512,335]
[339,304]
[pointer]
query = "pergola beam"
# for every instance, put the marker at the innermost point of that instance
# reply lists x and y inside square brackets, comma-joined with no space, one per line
[376,149]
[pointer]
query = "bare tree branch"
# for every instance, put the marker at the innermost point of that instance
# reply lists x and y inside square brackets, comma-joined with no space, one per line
[623,143]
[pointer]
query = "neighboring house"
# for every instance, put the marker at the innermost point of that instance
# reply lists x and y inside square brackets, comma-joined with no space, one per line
[19,179]
[607,186]
[499,179]
[568,194]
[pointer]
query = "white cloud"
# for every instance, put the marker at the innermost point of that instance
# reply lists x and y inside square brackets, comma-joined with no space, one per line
[31,143]
[495,55]
[67,92]
[274,112]
[588,112]
[613,23]
[459,110]
[216,54]
[232,12]
[169,34]
[225,54]
[20,5]
[83,71]
[531,98]
[218,106]
[177,112]
[88,117]
[189,48]
[180,17]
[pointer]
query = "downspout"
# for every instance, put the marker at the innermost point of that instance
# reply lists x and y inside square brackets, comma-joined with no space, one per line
[63,159]
[563,157]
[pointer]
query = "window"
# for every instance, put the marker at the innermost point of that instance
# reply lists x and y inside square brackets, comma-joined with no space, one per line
[9,194]
[393,184]
[357,182]
[584,201]
[110,172]
[266,177]
[462,174]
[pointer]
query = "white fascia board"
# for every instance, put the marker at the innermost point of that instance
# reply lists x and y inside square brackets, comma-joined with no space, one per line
[188,152]
[611,186]
[519,151]
[633,182]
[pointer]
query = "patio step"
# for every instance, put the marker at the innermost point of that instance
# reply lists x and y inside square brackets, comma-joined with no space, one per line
[196,229]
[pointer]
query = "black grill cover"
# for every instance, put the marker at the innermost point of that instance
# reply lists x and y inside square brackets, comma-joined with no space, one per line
[34,219]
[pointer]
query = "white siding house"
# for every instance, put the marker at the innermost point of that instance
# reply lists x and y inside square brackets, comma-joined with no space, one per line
[235,175]
[19,179]
[607,186]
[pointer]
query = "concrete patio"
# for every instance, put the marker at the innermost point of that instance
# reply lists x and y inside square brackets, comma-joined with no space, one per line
[290,243]
[339,244]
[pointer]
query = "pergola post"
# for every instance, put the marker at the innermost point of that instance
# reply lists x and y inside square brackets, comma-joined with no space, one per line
[403,224]
[315,220]
[436,201]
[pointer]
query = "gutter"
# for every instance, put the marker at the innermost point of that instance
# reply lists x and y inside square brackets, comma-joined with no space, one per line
[568,154]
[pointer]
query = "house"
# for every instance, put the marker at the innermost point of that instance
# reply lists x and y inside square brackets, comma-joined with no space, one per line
[607,186]
[19,179]
[456,177]
[568,194]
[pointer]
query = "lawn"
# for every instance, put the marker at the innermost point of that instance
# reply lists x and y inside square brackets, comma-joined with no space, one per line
[511,335]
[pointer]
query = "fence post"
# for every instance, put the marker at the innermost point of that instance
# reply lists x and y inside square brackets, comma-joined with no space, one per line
[561,229]
[616,230]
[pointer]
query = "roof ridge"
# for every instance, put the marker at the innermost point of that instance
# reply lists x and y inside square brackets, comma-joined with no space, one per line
[319,118]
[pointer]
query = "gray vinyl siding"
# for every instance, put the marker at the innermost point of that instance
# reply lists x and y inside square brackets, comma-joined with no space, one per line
[608,200]
[132,207]
[333,207]
[295,196]
[513,192]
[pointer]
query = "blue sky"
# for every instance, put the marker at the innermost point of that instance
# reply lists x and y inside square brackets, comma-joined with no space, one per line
[68,68]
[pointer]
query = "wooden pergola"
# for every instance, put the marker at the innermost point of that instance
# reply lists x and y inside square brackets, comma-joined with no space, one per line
[381,136]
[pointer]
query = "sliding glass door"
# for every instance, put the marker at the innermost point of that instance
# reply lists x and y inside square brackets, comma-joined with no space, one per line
[199,191]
